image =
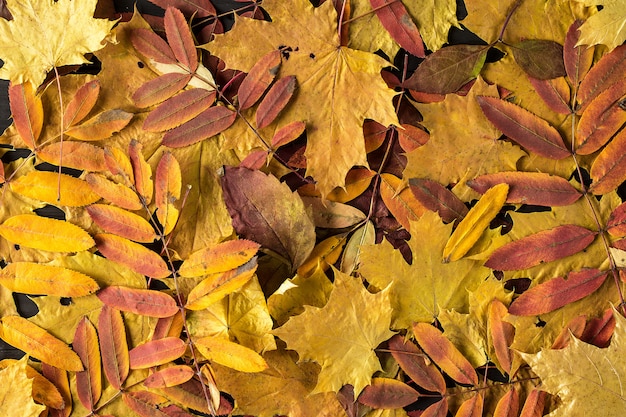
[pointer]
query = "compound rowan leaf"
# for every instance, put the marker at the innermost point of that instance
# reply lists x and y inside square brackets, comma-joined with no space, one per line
[388,393]
[530,188]
[101,126]
[207,124]
[179,109]
[275,101]
[27,113]
[344,348]
[606,27]
[400,201]
[169,377]
[145,302]
[133,255]
[267,212]
[577,59]
[541,247]
[180,39]
[475,222]
[118,194]
[230,354]
[398,22]
[160,88]
[88,381]
[444,354]
[557,292]
[219,258]
[608,170]
[520,125]
[29,54]
[77,155]
[413,362]
[34,278]
[436,197]
[121,222]
[38,343]
[43,233]
[156,352]
[82,103]
[540,59]
[113,346]
[258,79]
[16,393]
[54,188]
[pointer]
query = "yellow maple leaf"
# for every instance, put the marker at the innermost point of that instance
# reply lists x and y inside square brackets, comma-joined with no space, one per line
[45,34]
[342,335]
[338,87]
[608,27]
[16,392]
[587,379]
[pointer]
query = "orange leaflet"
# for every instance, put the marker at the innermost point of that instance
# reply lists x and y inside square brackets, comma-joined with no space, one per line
[47,186]
[89,381]
[535,402]
[555,93]
[520,125]
[324,254]
[400,201]
[508,406]
[599,330]
[288,134]
[160,89]
[101,126]
[43,233]
[394,17]
[219,258]
[575,327]
[577,59]
[606,72]
[374,134]
[142,172]
[501,333]
[77,155]
[545,246]
[207,124]
[256,159]
[217,286]
[530,188]
[156,352]
[145,302]
[121,222]
[169,377]
[387,393]
[179,109]
[82,103]
[115,359]
[58,378]
[411,137]
[439,409]
[616,225]
[168,326]
[436,197]
[230,354]
[118,163]
[118,194]
[167,187]
[34,278]
[180,39]
[472,407]
[27,113]
[444,354]
[145,403]
[357,181]
[413,362]
[275,101]
[38,343]
[152,46]
[558,292]
[258,79]
[133,255]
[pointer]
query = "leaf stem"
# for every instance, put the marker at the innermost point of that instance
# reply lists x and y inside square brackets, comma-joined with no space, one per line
[62,115]
[509,15]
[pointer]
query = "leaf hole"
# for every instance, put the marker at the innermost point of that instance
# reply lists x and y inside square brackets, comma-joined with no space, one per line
[25,306]
[65,301]
[517,285]
[140,64]
[540,323]
[50,212]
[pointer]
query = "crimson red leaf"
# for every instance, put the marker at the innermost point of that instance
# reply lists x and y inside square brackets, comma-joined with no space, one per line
[557,292]
[275,101]
[258,79]
[208,123]
[541,59]
[180,39]
[152,46]
[555,93]
[156,352]
[545,246]
[387,393]
[530,188]
[520,125]
[616,225]
[608,170]
[160,89]
[394,17]
[411,137]
[436,197]
[577,59]
[607,71]
[145,302]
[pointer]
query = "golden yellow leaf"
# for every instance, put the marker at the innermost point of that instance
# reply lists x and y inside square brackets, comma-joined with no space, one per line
[31,46]
[48,186]
[219,258]
[607,27]
[16,398]
[217,286]
[33,278]
[43,233]
[230,354]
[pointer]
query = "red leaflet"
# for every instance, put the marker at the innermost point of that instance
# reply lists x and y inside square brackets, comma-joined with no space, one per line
[545,246]
[535,402]
[156,352]
[577,59]
[145,302]
[520,125]
[168,326]
[602,118]
[58,378]
[258,79]
[608,170]
[160,89]
[152,46]
[255,160]
[530,188]
[82,103]
[275,101]
[411,137]
[133,255]
[208,123]
[374,134]
[169,377]
[89,381]
[288,134]
[508,406]
[609,70]
[179,109]
[599,330]
[412,361]
[557,292]
[387,393]
[180,39]
[27,113]
[400,26]
[501,333]
[115,359]
[555,93]
[436,197]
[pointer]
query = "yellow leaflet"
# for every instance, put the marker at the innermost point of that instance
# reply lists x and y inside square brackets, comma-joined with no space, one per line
[231,354]
[477,220]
